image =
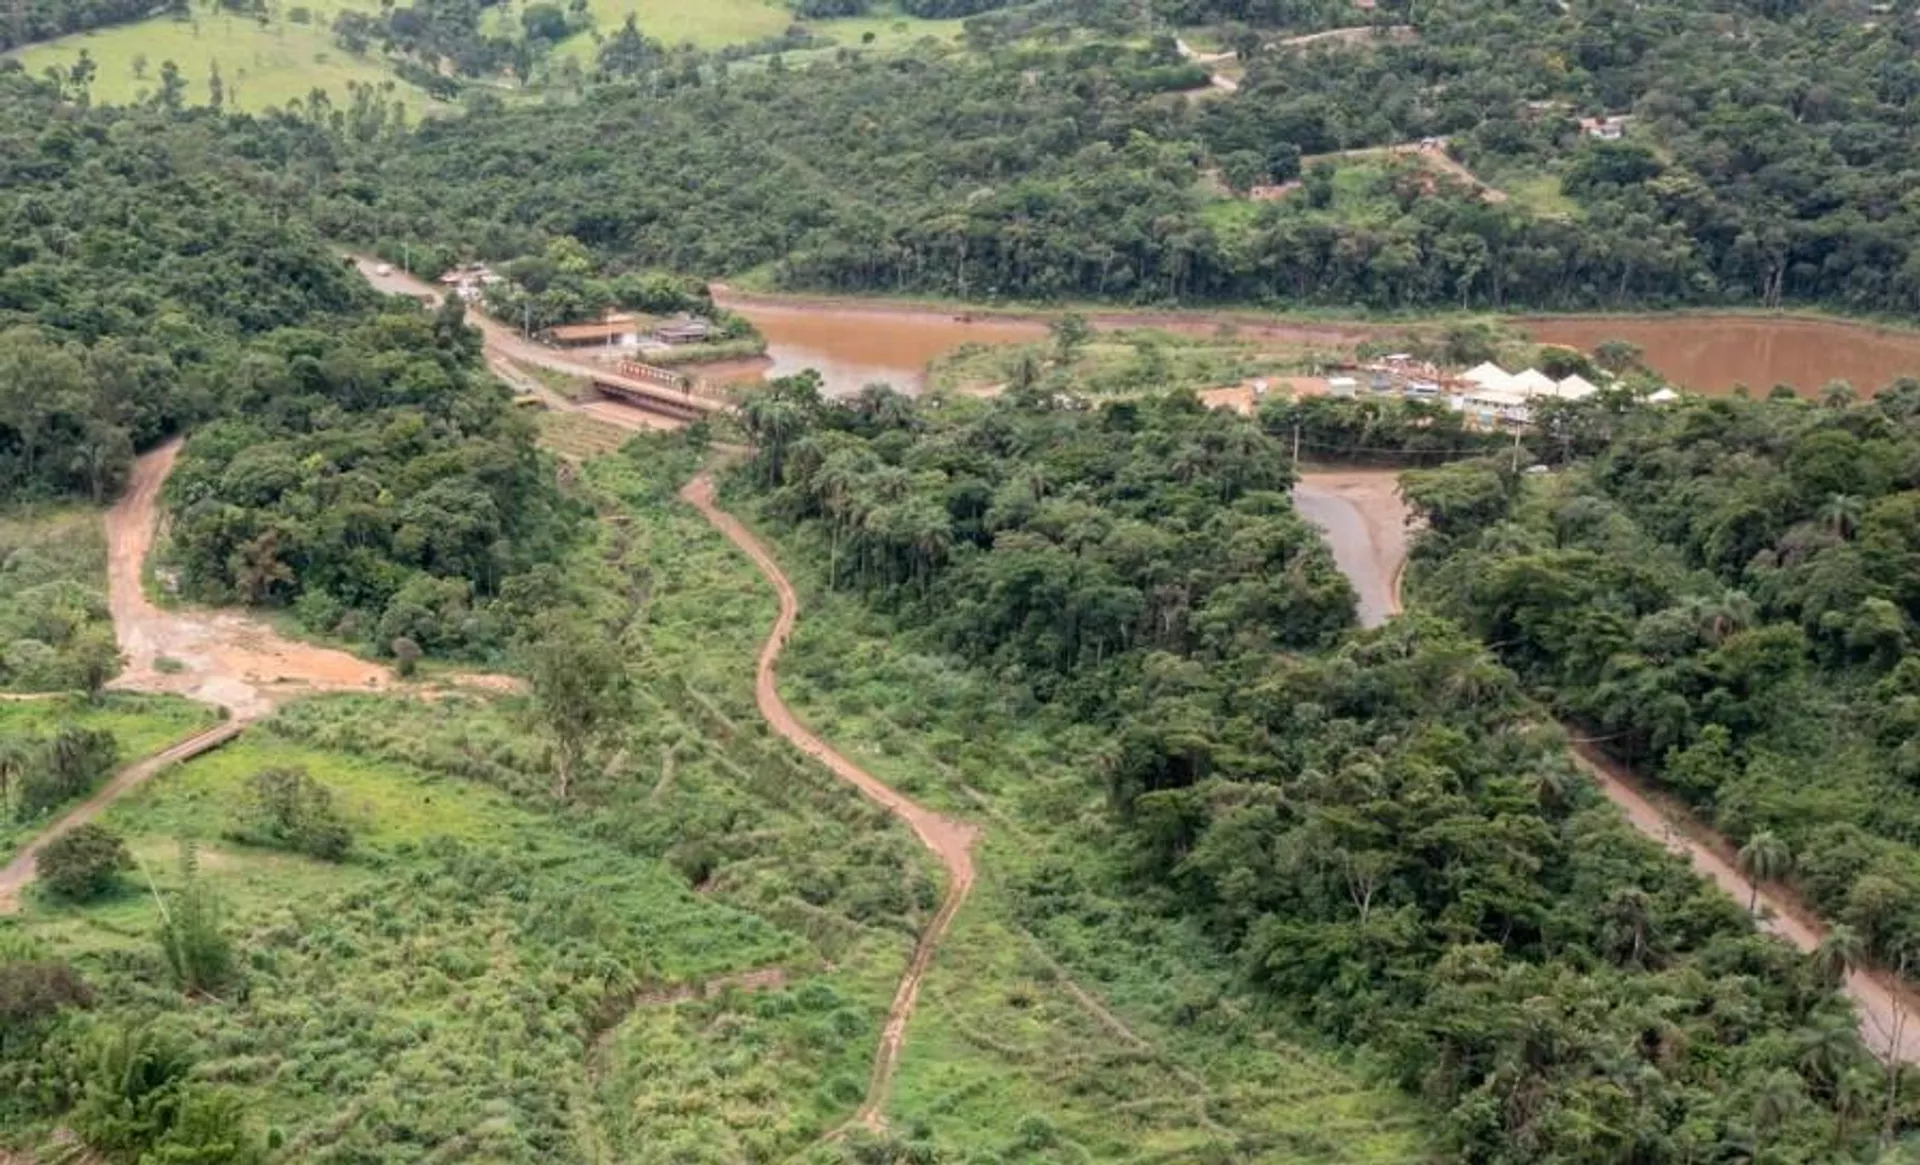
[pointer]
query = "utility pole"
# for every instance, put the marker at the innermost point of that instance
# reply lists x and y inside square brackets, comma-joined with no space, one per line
[1516,450]
[526,320]
[1296,442]
[406,257]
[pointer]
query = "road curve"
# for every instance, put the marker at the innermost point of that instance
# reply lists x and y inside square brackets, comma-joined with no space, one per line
[949,840]
[1366,521]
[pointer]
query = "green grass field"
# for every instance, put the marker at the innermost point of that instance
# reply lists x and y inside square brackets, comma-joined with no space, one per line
[261,66]
[140,725]
[712,24]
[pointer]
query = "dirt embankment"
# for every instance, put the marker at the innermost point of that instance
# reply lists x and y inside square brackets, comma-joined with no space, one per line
[1374,559]
[949,840]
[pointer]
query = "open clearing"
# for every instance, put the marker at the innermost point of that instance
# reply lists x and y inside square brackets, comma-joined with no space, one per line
[262,67]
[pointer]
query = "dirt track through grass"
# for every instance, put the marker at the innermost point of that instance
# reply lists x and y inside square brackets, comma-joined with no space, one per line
[949,840]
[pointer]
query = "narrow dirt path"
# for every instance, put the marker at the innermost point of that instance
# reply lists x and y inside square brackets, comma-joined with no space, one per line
[949,840]
[18,872]
[1363,509]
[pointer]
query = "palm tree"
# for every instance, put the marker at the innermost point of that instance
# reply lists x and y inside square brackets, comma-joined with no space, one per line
[15,756]
[1779,1098]
[1828,1046]
[1764,858]
[1839,953]
[1841,513]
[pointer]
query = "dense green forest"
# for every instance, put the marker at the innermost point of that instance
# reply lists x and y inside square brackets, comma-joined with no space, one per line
[351,459]
[1378,827]
[1726,596]
[1762,164]
[37,20]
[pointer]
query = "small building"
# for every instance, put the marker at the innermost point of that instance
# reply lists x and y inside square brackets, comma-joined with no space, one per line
[686,331]
[615,331]
[1342,386]
[1423,389]
[1606,129]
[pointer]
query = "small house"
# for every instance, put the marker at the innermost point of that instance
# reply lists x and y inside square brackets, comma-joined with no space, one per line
[1606,129]
[1342,386]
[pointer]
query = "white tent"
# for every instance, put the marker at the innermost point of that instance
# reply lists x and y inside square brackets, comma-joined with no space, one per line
[1575,387]
[1487,376]
[1534,382]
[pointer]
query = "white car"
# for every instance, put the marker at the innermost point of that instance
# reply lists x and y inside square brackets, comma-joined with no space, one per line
[383,269]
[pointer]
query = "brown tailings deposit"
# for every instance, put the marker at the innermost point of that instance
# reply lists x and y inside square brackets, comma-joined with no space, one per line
[1712,353]
[853,342]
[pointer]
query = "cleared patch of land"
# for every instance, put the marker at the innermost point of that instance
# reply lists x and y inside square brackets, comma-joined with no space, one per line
[262,66]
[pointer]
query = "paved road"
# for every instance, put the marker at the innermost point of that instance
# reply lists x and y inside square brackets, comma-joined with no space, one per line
[1366,523]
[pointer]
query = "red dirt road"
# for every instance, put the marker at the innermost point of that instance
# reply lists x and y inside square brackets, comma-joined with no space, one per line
[1375,565]
[949,840]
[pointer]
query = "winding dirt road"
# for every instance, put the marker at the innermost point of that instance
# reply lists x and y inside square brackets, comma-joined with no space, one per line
[1366,523]
[949,840]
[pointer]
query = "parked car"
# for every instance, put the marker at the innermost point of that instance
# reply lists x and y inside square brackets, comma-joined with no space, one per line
[383,269]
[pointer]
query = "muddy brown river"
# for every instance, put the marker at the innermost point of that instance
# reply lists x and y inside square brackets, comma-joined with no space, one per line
[853,343]
[1711,354]
[852,348]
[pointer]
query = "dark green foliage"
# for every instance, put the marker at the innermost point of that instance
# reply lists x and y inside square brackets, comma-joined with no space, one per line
[45,774]
[84,862]
[36,20]
[1042,537]
[1726,594]
[32,992]
[1765,163]
[138,1104]
[287,809]
[366,459]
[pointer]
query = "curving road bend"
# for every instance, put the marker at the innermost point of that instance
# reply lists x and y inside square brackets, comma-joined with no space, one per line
[1365,521]
[949,840]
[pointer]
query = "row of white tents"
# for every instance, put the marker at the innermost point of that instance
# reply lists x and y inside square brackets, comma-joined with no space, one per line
[1498,394]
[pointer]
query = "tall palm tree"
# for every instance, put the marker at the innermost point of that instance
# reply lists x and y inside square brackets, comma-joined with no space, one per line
[1764,858]
[1839,953]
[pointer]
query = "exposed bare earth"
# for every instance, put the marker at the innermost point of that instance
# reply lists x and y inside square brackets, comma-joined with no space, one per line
[949,840]
[1366,520]
[220,658]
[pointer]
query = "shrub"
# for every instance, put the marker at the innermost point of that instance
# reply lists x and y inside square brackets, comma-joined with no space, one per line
[287,809]
[31,992]
[85,862]
[196,946]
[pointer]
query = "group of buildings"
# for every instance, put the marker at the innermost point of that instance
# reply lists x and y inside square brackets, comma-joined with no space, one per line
[621,330]
[1490,394]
